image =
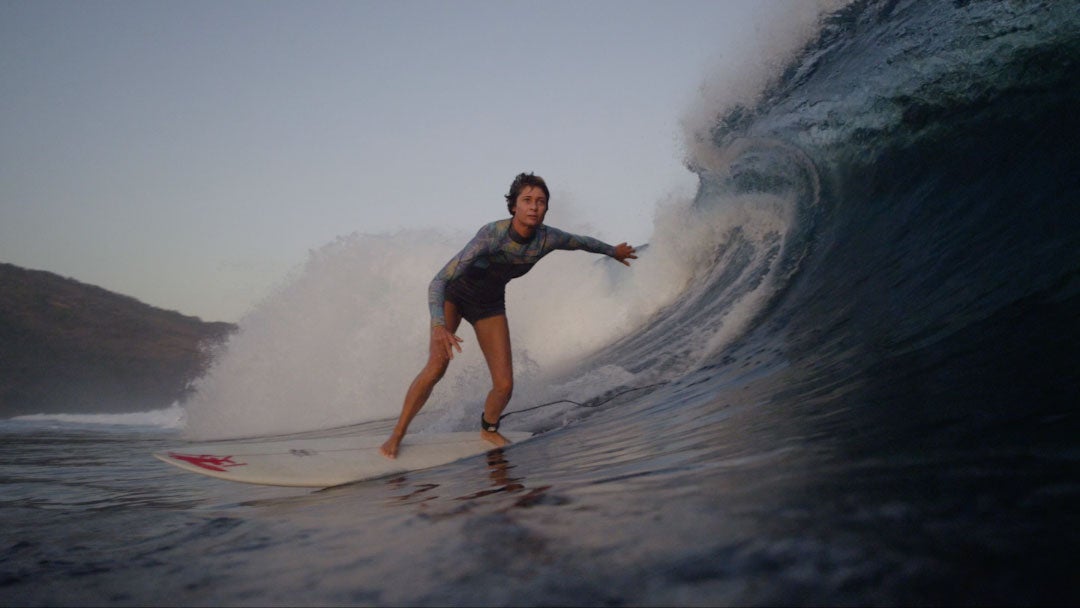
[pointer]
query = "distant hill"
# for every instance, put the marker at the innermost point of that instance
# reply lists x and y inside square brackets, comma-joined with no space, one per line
[68,347]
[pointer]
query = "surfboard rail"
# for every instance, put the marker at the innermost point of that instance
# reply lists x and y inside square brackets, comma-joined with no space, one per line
[326,461]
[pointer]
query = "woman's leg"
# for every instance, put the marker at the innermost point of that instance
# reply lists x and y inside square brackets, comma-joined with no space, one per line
[493,334]
[423,384]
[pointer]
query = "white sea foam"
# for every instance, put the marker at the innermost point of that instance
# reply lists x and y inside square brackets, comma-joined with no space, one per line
[171,417]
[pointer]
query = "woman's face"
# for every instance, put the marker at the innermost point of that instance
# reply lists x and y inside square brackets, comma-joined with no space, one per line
[531,206]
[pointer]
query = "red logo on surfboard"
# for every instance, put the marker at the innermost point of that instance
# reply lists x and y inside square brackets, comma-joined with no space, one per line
[208,461]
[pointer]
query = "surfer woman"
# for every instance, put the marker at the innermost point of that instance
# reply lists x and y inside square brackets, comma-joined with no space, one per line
[472,286]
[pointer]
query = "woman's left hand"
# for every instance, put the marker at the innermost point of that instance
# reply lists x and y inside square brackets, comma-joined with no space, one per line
[624,252]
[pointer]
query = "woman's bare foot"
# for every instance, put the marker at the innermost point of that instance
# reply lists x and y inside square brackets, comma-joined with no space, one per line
[494,437]
[390,448]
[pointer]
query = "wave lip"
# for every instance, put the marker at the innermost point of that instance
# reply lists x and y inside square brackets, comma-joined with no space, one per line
[882,71]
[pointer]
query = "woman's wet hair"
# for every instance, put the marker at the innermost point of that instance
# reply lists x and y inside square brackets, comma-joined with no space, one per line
[522,181]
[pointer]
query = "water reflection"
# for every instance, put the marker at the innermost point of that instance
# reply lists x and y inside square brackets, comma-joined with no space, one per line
[420,489]
[499,473]
[501,480]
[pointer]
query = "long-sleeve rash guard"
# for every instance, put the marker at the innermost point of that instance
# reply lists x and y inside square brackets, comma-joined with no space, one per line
[493,257]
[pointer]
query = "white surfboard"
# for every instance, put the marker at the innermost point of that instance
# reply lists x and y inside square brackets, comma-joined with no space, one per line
[325,461]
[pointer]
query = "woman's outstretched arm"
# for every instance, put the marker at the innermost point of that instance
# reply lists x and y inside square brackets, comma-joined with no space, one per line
[559,239]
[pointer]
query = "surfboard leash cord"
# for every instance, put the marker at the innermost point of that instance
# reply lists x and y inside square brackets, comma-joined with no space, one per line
[594,402]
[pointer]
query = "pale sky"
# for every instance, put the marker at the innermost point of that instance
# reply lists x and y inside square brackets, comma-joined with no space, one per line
[190,153]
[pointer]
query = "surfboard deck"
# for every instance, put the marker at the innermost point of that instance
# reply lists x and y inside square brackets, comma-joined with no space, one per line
[326,461]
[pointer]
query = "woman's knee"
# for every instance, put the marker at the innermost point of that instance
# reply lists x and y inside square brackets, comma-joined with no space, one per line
[504,387]
[435,369]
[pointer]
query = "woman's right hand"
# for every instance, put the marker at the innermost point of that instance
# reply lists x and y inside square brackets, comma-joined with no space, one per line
[443,342]
[624,252]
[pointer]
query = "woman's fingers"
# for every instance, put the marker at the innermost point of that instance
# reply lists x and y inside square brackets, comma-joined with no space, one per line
[451,343]
[445,341]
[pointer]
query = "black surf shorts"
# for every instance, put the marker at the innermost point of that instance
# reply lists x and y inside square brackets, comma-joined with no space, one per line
[477,301]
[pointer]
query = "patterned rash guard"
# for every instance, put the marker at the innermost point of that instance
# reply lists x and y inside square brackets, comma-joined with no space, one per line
[475,279]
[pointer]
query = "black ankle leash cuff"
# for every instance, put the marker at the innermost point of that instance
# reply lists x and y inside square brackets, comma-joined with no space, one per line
[487,426]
